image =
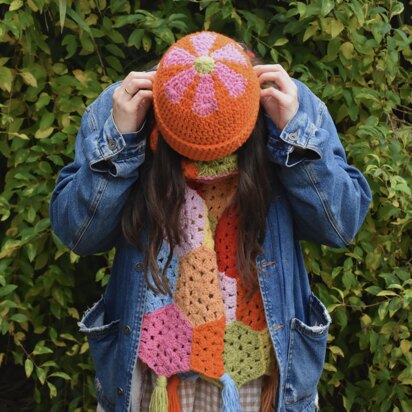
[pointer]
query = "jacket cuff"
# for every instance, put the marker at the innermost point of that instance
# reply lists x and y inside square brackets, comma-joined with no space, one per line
[295,142]
[116,153]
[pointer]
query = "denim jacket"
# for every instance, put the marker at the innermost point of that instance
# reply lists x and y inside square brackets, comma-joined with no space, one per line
[318,196]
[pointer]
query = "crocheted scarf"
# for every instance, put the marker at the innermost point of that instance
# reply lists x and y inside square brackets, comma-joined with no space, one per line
[207,327]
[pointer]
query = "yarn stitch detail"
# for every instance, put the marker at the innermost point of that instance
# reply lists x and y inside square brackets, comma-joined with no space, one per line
[205,102]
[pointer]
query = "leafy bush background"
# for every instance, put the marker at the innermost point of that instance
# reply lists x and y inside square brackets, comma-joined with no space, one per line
[57,56]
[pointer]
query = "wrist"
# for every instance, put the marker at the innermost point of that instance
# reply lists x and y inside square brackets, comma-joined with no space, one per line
[125,131]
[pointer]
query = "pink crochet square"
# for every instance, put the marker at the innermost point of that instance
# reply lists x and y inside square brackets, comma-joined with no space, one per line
[193,218]
[166,341]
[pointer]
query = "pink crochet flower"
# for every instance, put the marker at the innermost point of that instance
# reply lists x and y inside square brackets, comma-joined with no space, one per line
[203,65]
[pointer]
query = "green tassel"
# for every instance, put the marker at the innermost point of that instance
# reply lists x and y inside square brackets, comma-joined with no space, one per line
[230,395]
[158,401]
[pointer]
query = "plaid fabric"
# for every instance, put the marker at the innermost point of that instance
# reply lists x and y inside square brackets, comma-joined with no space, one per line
[200,395]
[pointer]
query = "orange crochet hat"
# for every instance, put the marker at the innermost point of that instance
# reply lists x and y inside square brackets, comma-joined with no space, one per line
[206,96]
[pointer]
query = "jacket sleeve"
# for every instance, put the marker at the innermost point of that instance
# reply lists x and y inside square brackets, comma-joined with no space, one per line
[87,202]
[329,198]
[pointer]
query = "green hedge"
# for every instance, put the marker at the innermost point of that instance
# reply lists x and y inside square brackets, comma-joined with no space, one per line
[57,56]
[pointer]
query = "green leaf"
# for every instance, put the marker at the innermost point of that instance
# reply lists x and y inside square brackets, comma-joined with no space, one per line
[41,374]
[329,367]
[19,317]
[15,5]
[62,13]
[43,133]
[327,7]
[405,346]
[5,290]
[336,351]
[71,13]
[135,39]
[62,375]
[117,6]
[261,49]
[310,31]
[386,293]
[41,350]
[28,367]
[6,78]
[347,50]
[147,43]
[274,55]
[52,389]
[336,28]
[280,42]
[398,8]
[28,78]
[46,120]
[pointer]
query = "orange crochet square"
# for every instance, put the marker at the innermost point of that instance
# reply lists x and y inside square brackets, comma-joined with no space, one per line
[226,242]
[208,347]
[251,312]
[219,195]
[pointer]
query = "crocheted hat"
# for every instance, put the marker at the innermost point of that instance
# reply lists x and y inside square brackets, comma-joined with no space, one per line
[206,96]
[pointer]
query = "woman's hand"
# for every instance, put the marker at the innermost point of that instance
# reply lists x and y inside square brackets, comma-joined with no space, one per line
[130,107]
[281,102]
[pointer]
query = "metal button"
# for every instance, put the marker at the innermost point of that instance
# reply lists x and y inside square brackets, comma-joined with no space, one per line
[120,391]
[139,267]
[293,136]
[112,143]
[127,330]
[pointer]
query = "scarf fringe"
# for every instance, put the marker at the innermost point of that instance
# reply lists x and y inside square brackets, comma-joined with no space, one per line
[158,401]
[230,395]
[173,395]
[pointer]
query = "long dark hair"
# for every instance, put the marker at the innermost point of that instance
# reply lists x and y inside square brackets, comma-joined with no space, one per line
[155,203]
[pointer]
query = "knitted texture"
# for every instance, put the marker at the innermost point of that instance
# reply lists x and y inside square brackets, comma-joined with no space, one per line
[195,224]
[198,291]
[209,326]
[209,336]
[243,354]
[228,287]
[166,340]
[203,171]
[206,96]
[226,239]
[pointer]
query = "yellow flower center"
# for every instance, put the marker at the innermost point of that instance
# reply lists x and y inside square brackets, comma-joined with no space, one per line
[204,64]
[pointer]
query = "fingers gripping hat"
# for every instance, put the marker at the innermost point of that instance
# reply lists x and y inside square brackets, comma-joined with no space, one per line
[206,96]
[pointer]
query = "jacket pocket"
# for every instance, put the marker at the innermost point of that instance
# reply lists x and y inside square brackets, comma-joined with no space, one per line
[103,340]
[306,357]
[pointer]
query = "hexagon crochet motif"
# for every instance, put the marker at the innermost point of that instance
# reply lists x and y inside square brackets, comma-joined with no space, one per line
[209,326]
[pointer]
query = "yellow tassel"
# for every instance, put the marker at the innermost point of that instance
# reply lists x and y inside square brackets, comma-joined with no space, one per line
[158,401]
